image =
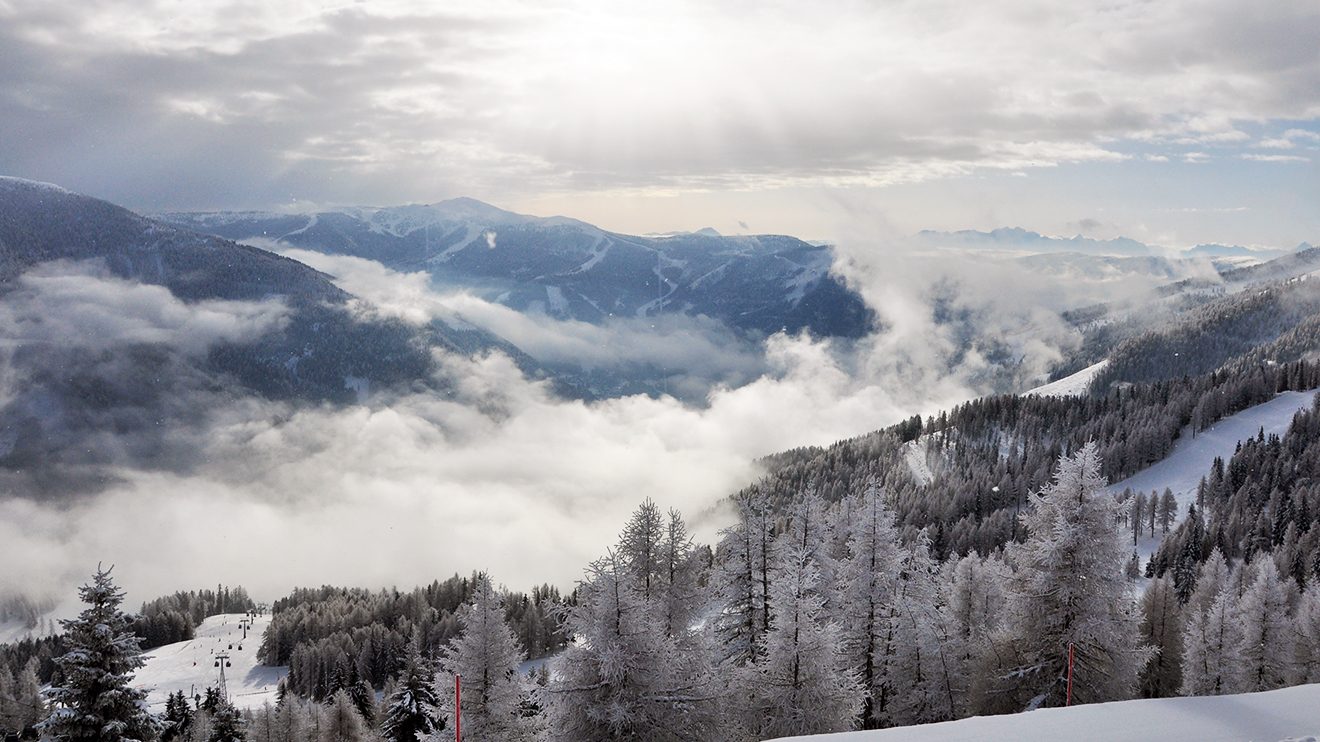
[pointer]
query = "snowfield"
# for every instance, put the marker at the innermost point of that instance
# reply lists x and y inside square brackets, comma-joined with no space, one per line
[190,666]
[1070,386]
[1273,716]
[1181,470]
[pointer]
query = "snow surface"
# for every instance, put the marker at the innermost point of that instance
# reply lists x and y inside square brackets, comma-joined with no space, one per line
[190,666]
[1289,713]
[1070,386]
[1181,470]
[915,453]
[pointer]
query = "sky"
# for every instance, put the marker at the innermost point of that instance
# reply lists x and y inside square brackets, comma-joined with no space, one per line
[1175,122]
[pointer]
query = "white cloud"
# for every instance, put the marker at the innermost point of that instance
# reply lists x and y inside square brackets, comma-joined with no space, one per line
[389,102]
[1273,158]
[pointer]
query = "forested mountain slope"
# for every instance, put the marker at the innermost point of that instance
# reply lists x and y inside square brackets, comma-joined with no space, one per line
[985,456]
[120,324]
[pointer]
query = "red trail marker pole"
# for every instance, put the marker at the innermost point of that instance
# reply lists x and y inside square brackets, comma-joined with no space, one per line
[458,708]
[1070,670]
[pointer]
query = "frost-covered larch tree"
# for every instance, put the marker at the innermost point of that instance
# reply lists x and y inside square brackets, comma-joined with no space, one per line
[867,607]
[681,571]
[1068,588]
[622,678]
[974,602]
[1306,665]
[742,580]
[486,655]
[1264,656]
[93,700]
[1210,645]
[1162,628]
[806,683]
[342,722]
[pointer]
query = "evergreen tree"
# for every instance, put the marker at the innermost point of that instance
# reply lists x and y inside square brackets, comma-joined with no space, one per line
[178,717]
[93,700]
[412,710]
[1068,588]
[226,723]
[486,656]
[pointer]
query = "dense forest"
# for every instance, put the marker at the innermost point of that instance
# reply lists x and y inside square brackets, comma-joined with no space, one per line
[965,475]
[328,635]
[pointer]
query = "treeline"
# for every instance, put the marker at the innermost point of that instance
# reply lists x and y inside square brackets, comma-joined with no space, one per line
[986,455]
[331,637]
[172,618]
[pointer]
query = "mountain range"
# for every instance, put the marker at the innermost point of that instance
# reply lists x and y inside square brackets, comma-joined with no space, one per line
[567,269]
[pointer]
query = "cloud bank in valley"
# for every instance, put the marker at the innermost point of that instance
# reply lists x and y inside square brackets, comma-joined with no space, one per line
[501,474]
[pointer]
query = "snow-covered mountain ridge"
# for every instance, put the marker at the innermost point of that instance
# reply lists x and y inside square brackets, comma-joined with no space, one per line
[569,269]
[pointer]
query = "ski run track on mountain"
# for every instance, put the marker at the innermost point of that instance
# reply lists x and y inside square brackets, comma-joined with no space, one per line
[1182,470]
[1070,386]
[190,666]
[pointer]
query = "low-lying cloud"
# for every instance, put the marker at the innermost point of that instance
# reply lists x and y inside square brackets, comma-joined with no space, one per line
[500,473]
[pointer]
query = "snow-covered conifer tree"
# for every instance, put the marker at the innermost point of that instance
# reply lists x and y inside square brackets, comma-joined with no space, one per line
[412,709]
[867,611]
[93,700]
[805,684]
[1162,628]
[742,580]
[640,548]
[681,572]
[1068,588]
[1306,665]
[227,724]
[974,601]
[1210,646]
[342,721]
[623,678]
[1264,656]
[486,655]
[919,669]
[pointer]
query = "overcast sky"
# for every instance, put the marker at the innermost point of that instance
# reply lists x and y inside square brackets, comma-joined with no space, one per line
[1177,121]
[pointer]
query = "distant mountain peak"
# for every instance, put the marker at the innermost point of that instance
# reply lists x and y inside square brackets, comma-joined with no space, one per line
[1017,238]
[11,182]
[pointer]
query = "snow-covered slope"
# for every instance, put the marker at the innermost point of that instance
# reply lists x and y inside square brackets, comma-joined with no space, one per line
[1070,386]
[1182,470]
[1287,714]
[191,666]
